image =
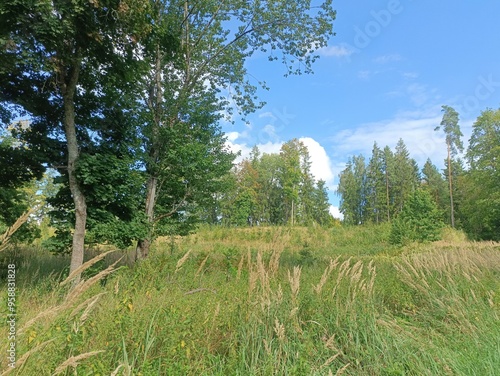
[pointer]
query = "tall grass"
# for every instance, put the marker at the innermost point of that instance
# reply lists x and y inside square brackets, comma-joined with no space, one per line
[274,301]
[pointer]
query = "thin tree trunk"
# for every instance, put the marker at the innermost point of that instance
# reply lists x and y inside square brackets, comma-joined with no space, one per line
[452,213]
[68,88]
[143,245]
[387,194]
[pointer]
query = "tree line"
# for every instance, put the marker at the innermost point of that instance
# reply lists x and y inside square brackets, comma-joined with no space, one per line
[272,189]
[466,192]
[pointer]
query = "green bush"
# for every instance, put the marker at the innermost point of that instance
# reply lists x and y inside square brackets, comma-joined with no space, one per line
[419,220]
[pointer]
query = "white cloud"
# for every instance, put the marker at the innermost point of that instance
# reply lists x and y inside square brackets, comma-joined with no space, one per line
[384,59]
[321,166]
[232,136]
[418,94]
[336,51]
[244,149]
[364,74]
[410,75]
[267,114]
[416,128]
[335,212]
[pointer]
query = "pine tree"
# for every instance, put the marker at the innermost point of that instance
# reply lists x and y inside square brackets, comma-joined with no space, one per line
[451,129]
[406,176]
[433,182]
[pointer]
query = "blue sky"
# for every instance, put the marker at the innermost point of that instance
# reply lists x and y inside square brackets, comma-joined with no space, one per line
[384,76]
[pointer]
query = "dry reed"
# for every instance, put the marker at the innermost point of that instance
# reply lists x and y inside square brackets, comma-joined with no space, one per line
[74,361]
[6,236]
[181,261]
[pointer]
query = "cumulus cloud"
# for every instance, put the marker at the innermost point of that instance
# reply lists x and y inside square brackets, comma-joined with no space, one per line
[244,148]
[321,166]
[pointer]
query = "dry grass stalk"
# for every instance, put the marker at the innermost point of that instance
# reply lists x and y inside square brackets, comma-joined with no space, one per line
[330,360]
[5,237]
[266,346]
[253,276]
[491,295]
[372,272]
[261,268]
[84,285]
[274,261]
[343,270]
[326,274]
[181,261]
[20,362]
[115,372]
[73,295]
[341,370]
[74,361]
[279,329]
[87,310]
[294,280]
[202,265]
[89,303]
[240,267]
[329,343]
[278,295]
[83,267]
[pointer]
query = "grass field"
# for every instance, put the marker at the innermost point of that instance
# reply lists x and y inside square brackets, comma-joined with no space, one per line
[263,301]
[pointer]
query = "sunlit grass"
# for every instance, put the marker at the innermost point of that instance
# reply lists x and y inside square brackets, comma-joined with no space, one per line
[271,301]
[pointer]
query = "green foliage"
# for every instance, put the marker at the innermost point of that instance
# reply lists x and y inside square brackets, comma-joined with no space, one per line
[433,182]
[418,221]
[352,189]
[480,209]
[376,187]
[276,189]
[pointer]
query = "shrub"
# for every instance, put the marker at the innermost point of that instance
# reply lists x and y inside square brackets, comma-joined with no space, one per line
[419,220]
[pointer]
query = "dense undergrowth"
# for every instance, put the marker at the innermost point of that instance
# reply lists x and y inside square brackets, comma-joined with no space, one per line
[265,301]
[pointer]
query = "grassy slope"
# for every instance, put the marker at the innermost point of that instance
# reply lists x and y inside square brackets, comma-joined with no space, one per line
[270,301]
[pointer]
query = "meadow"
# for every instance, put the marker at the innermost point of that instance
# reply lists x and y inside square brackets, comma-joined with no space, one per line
[261,301]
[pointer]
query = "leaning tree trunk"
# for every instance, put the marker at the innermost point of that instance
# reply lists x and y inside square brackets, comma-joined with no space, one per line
[68,88]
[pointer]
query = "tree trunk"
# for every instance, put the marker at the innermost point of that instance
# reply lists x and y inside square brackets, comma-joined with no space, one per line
[155,100]
[142,249]
[387,194]
[68,88]
[452,213]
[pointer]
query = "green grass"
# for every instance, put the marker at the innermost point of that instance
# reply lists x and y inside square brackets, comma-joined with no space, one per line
[269,301]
